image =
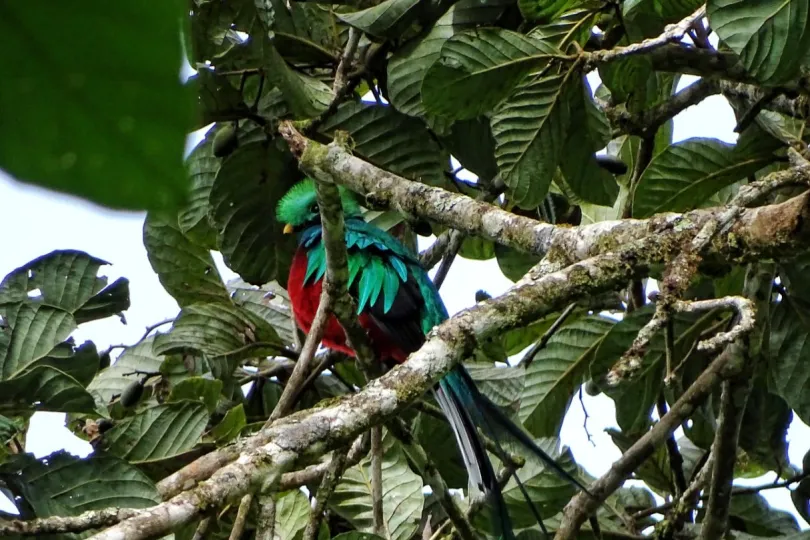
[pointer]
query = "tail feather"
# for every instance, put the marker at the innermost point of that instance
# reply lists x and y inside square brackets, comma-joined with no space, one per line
[476,461]
[467,409]
[496,425]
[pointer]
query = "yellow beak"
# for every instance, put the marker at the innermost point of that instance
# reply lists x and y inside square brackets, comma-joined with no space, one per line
[288,228]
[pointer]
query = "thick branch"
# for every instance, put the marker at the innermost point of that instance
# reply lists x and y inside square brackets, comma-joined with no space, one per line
[93,519]
[561,245]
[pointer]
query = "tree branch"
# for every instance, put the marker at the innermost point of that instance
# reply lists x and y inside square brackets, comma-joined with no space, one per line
[581,506]
[330,479]
[561,246]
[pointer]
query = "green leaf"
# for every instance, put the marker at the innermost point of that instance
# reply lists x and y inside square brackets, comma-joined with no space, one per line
[518,339]
[82,362]
[387,19]
[401,490]
[789,360]
[688,172]
[47,389]
[292,515]
[217,330]
[270,302]
[477,248]
[771,37]
[801,498]
[759,518]
[66,279]
[471,143]
[306,96]
[390,140]
[477,69]
[65,485]
[185,269]
[354,535]
[655,470]
[513,263]
[35,330]
[206,391]
[201,167]
[157,432]
[112,380]
[231,425]
[130,127]
[583,175]
[543,10]
[530,129]
[573,26]
[766,420]
[546,489]
[557,371]
[433,434]
[408,65]
[248,185]
[502,385]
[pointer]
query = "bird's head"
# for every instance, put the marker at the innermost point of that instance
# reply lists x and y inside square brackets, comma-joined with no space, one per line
[298,208]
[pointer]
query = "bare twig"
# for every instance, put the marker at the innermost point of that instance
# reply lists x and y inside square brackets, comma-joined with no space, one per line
[675,457]
[432,255]
[295,383]
[202,529]
[672,34]
[450,253]
[528,358]
[241,517]
[266,523]
[328,482]
[93,519]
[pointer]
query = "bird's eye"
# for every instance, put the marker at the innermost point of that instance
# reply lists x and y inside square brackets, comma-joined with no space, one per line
[314,208]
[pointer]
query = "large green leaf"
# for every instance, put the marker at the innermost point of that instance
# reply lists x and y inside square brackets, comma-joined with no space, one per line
[771,37]
[472,144]
[544,10]
[477,69]
[766,420]
[270,302]
[201,389]
[686,173]
[157,432]
[390,140]
[76,115]
[215,330]
[433,433]
[45,388]
[66,279]
[583,175]
[35,330]
[306,96]
[655,470]
[789,359]
[502,385]
[202,166]
[530,130]
[248,186]
[573,26]
[546,489]
[759,518]
[402,494]
[292,515]
[408,65]
[64,485]
[556,373]
[112,380]
[387,19]
[186,270]
[513,263]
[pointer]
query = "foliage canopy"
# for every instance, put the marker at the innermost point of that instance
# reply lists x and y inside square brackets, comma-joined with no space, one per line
[93,105]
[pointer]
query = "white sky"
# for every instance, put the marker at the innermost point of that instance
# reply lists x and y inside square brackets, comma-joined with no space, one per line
[37,221]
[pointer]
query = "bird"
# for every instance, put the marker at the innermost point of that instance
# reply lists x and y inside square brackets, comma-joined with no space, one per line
[397,305]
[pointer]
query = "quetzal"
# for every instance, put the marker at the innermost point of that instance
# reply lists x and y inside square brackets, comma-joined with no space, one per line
[397,305]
